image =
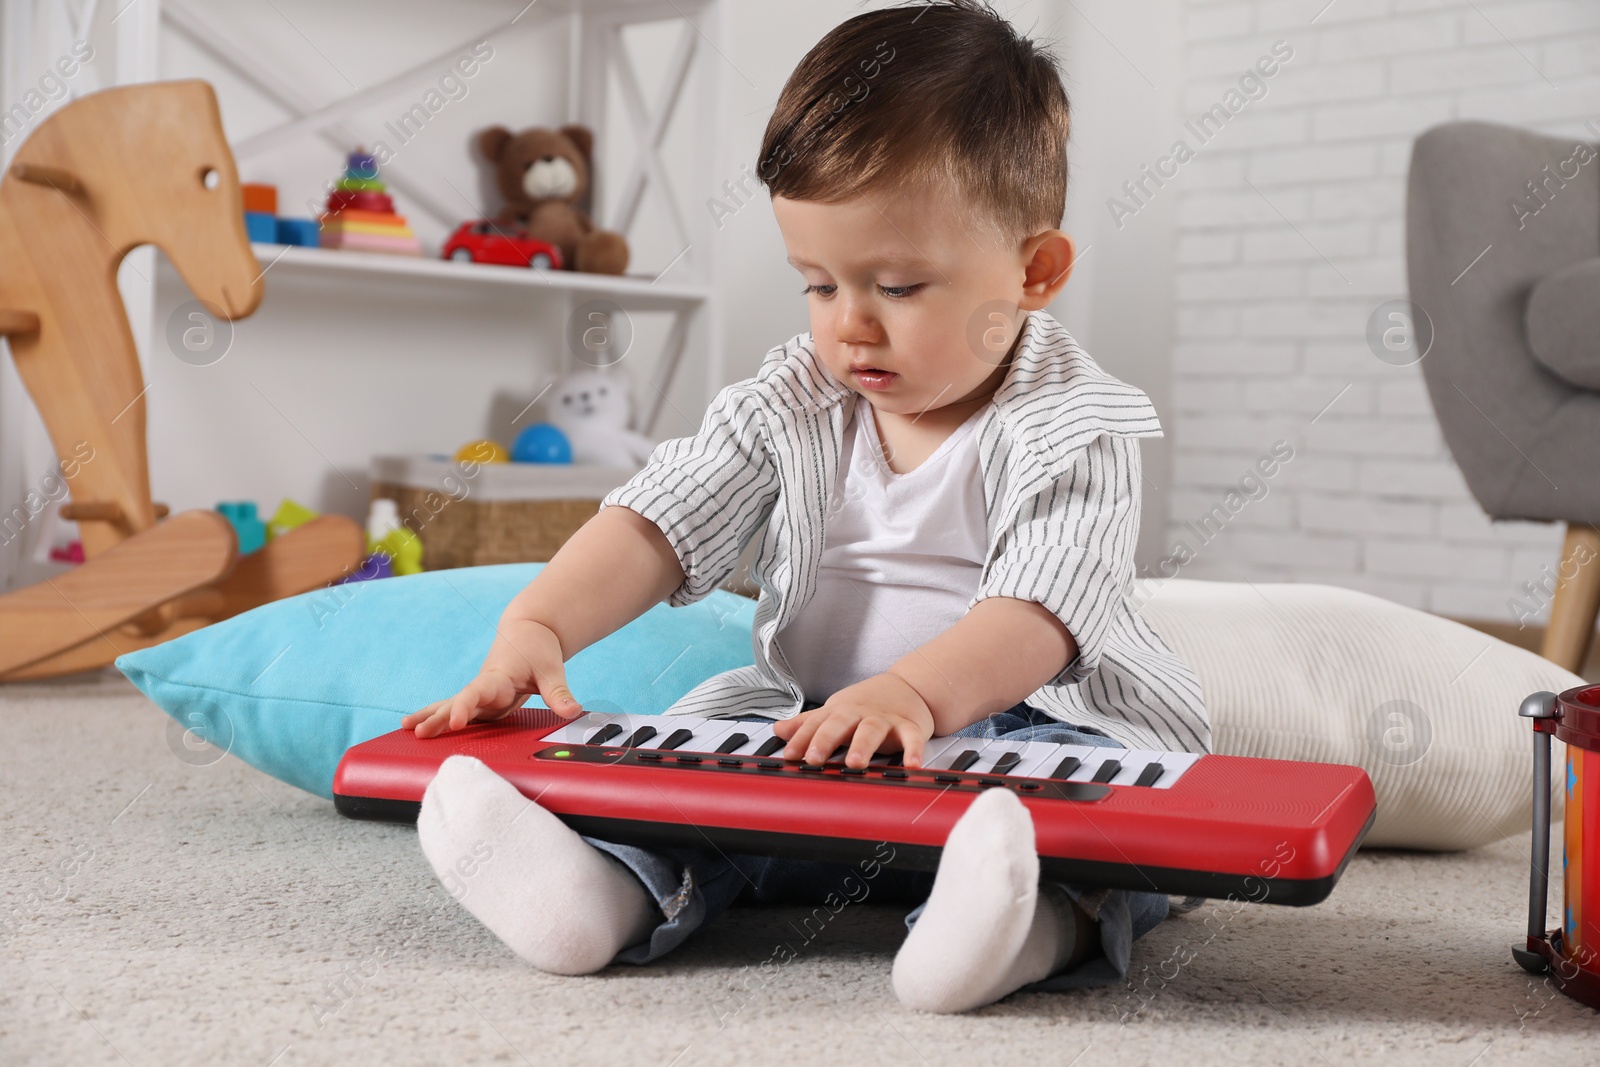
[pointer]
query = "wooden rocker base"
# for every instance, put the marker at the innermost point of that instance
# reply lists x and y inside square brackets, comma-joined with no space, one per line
[69,624]
[185,553]
[99,651]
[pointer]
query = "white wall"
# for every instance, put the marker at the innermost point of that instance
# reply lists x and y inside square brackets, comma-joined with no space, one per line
[1121,64]
[1291,231]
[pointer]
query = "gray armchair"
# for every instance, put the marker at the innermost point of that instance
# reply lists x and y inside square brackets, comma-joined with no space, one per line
[1503,254]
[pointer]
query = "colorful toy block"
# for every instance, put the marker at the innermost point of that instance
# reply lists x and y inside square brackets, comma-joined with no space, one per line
[260,197]
[261,227]
[251,531]
[288,516]
[377,565]
[303,232]
[361,217]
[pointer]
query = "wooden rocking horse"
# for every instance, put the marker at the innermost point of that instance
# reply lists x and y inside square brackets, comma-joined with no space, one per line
[142,164]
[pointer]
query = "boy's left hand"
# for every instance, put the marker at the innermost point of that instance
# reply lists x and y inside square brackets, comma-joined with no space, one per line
[867,713]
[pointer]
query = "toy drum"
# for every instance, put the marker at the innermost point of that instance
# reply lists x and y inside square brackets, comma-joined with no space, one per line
[1571,952]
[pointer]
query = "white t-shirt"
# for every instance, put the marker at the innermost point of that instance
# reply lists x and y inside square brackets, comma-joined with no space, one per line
[901,557]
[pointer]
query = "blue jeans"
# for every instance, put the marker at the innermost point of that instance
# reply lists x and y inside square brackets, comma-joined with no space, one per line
[693,886]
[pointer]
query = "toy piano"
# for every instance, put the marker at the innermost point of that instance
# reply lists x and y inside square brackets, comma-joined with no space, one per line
[1269,831]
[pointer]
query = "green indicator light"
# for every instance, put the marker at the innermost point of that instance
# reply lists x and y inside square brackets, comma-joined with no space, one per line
[563,753]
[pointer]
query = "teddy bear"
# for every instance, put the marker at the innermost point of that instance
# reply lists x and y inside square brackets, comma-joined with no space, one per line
[592,407]
[542,174]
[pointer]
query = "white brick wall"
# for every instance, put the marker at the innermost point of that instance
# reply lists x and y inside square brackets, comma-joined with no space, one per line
[1290,230]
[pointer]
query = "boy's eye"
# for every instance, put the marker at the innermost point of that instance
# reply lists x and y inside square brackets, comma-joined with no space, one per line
[896,292]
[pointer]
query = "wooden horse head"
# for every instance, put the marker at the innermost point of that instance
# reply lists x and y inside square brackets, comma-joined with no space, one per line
[140,164]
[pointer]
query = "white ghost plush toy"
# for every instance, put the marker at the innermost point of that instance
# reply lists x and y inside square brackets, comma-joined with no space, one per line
[592,408]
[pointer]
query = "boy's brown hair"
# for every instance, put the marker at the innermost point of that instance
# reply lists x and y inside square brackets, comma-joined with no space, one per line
[925,96]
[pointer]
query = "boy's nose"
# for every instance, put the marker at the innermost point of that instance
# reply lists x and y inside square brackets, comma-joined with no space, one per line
[857,326]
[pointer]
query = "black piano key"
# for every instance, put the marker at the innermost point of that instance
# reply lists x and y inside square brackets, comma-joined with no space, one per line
[1108,770]
[1004,764]
[676,739]
[965,760]
[1066,767]
[896,760]
[1151,774]
[604,734]
[733,744]
[639,737]
[771,745]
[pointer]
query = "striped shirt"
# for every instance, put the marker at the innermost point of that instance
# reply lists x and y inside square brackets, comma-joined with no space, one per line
[1059,456]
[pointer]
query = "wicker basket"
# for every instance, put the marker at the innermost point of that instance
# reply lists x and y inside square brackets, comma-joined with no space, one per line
[493,513]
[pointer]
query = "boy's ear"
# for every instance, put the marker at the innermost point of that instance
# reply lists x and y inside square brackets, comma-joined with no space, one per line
[1051,256]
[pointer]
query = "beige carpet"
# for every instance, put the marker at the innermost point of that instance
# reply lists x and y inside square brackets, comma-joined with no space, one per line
[157,912]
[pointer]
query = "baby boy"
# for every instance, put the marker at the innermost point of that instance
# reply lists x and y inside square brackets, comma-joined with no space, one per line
[945,489]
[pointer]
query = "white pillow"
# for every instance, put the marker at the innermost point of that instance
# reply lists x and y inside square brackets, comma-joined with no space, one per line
[1426,706]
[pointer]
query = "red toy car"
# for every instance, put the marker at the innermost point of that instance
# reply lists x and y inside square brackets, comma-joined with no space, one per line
[485,241]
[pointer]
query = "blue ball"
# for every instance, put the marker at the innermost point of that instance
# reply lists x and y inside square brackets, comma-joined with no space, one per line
[541,443]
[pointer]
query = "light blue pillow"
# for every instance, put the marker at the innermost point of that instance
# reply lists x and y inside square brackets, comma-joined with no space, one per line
[288,686]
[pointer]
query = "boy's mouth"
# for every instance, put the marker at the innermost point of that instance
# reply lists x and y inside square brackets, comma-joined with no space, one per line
[873,377]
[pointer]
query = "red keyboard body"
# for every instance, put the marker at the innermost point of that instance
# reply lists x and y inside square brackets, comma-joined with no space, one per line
[1269,831]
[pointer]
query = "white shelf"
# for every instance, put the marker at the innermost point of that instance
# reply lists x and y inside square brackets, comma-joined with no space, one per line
[633,291]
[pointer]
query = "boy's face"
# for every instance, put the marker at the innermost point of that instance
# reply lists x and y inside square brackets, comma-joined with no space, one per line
[911,305]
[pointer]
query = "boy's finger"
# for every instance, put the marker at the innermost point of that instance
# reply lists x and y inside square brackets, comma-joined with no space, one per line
[788,727]
[551,677]
[830,735]
[912,744]
[801,735]
[431,726]
[864,745]
[465,703]
[427,710]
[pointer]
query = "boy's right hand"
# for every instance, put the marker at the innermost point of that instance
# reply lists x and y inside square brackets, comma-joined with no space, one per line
[525,660]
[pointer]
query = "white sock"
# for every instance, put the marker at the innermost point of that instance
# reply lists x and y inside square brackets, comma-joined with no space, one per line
[557,901]
[986,930]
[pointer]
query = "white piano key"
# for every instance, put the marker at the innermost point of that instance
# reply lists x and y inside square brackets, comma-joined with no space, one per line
[707,732]
[1177,764]
[1095,760]
[992,750]
[723,729]
[941,750]
[579,730]
[983,746]
[1039,758]
[1087,762]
